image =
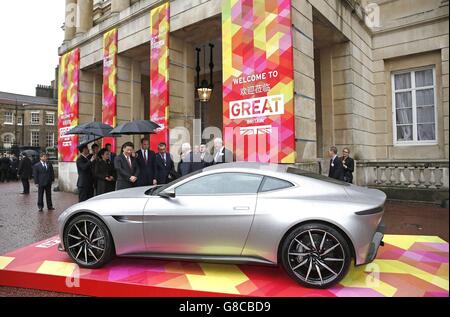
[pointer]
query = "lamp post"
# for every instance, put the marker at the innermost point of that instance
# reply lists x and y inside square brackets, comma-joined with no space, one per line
[204,89]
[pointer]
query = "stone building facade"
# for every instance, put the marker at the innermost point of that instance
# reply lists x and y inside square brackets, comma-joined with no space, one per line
[370,75]
[29,121]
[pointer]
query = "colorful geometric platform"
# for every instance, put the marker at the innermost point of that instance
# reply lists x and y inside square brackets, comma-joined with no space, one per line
[406,266]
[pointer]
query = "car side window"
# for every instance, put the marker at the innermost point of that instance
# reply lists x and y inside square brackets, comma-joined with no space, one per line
[271,183]
[221,184]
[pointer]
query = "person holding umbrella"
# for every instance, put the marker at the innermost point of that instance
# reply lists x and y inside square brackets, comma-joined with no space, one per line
[25,171]
[126,167]
[85,177]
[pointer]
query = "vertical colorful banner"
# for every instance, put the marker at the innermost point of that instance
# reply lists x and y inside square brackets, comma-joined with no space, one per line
[109,101]
[258,80]
[159,73]
[69,72]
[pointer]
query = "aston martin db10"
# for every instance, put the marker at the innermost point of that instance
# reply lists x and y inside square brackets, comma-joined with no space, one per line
[312,225]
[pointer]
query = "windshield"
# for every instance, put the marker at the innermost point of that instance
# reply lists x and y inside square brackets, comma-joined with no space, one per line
[297,171]
[158,189]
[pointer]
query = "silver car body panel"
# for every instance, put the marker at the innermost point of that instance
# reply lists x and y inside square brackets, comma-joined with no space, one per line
[229,228]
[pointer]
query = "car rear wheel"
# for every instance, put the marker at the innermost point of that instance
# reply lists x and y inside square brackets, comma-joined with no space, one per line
[316,255]
[88,242]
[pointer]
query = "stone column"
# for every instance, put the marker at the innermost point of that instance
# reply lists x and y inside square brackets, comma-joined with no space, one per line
[305,98]
[70,20]
[85,19]
[124,95]
[119,5]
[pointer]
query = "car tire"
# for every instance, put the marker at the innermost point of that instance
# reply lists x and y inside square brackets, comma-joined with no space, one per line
[88,242]
[316,255]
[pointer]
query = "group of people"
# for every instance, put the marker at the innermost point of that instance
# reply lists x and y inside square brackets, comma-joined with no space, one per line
[101,171]
[341,168]
[9,165]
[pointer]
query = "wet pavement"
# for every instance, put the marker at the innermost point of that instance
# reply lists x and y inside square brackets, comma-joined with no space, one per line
[21,224]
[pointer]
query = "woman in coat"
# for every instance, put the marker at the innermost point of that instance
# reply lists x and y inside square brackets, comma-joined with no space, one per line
[105,173]
[349,165]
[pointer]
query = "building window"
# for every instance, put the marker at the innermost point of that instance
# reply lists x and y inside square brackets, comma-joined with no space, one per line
[35,118]
[19,120]
[50,140]
[8,140]
[50,118]
[34,138]
[9,117]
[414,109]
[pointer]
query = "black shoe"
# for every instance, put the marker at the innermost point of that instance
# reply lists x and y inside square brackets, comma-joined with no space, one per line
[40,210]
[51,209]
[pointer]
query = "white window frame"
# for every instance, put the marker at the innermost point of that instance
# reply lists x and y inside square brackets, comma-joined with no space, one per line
[8,145]
[53,140]
[12,118]
[21,120]
[31,117]
[413,90]
[48,113]
[31,138]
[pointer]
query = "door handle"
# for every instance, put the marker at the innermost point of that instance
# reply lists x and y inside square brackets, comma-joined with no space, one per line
[241,208]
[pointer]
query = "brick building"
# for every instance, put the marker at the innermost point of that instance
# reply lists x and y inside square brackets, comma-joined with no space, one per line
[29,121]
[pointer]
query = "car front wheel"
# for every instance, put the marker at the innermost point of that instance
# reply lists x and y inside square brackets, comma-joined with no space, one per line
[316,255]
[88,242]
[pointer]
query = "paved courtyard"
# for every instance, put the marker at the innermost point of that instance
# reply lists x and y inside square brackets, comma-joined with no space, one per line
[21,224]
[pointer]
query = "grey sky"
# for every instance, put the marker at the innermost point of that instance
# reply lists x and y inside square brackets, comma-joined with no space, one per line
[30,34]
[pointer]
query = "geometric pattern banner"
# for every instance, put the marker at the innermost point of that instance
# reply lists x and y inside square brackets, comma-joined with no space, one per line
[159,73]
[414,266]
[69,69]
[109,107]
[258,83]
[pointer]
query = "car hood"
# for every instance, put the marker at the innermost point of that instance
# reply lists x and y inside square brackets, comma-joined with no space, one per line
[125,193]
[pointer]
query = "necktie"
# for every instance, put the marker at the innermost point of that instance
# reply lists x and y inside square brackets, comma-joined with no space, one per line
[129,162]
[145,156]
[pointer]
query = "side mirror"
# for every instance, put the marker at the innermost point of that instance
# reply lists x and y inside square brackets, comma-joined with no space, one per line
[167,194]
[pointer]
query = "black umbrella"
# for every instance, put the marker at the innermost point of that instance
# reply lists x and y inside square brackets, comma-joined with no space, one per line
[92,128]
[30,153]
[86,139]
[136,127]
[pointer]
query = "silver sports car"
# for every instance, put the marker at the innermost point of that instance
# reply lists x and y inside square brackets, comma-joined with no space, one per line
[240,213]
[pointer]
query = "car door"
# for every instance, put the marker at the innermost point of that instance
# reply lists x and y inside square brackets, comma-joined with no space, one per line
[209,215]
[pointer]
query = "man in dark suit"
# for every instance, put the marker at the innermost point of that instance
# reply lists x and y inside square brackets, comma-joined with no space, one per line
[146,160]
[25,171]
[44,176]
[165,168]
[5,164]
[336,169]
[348,164]
[221,154]
[126,167]
[186,164]
[85,181]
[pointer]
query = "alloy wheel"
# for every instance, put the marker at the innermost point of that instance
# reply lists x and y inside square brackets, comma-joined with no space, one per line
[86,242]
[316,257]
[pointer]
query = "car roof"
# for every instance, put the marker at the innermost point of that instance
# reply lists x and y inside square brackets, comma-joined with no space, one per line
[249,166]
